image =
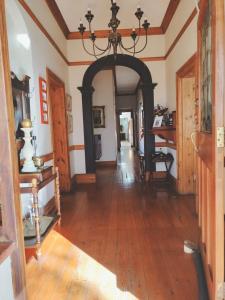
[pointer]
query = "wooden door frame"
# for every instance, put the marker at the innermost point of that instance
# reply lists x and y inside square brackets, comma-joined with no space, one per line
[189,69]
[52,77]
[218,94]
[12,225]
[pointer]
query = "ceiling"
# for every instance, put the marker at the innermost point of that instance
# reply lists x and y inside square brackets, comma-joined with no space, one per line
[72,13]
[126,79]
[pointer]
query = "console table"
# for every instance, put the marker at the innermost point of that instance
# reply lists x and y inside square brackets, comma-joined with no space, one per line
[34,233]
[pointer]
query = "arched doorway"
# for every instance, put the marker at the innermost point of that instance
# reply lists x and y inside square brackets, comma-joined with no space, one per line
[148,104]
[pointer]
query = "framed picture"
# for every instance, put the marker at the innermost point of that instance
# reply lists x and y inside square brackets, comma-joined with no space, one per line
[43,100]
[68,102]
[21,101]
[158,121]
[98,113]
[70,123]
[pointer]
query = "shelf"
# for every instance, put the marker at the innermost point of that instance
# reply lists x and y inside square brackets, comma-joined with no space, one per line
[31,242]
[166,133]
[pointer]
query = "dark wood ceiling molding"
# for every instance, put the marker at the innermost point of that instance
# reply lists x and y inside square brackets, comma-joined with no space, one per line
[58,16]
[183,29]
[102,34]
[43,30]
[152,58]
[170,12]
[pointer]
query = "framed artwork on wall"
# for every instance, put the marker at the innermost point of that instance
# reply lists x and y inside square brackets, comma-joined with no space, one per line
[43,100]
[98,113]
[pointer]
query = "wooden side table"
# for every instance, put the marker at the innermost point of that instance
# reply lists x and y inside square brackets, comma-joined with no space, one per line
[35,181]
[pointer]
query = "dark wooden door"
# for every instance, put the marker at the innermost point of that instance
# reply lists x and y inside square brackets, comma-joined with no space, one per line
[210,149]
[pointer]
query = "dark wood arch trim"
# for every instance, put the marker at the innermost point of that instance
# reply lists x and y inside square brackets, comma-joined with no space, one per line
[148,102]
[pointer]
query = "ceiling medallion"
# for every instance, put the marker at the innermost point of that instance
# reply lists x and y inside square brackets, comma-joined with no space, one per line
[114,36]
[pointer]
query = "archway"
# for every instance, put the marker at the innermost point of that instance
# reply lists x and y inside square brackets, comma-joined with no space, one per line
[148,104]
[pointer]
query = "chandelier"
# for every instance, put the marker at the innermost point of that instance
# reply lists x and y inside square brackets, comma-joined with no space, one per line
[114,36]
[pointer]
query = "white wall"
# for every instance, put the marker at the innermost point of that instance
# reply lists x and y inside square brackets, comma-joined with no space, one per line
[104,94]
[33,62]
[6,290]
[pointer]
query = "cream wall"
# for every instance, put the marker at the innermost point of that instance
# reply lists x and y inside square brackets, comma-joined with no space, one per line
[33,62]
[104,94]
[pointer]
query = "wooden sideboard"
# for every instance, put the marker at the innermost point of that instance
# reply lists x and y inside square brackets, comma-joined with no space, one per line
[37,226]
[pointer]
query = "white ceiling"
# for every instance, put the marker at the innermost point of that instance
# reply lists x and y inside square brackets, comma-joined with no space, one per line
[127,80]
[73,11]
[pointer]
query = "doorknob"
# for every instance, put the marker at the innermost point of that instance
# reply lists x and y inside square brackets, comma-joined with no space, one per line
[193,140]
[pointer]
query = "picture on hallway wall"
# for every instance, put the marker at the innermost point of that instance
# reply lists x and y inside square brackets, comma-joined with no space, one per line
[68,102]
[69,123]
[43,100]
[98,113]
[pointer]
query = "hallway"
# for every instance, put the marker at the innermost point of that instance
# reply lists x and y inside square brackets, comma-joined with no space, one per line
[118,240]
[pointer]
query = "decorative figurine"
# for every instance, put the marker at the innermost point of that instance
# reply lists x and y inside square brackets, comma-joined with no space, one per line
[27,150]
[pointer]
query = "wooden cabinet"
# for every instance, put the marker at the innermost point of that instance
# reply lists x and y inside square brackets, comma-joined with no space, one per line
[37,226]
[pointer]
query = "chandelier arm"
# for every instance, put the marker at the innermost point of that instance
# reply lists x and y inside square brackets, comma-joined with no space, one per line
[127,49]
[146,42]
[87,51]
[100,49]
[98,54]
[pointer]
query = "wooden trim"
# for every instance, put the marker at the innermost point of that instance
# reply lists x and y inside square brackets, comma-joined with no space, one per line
[43,30]
[76,147]
[183,29]
[12,227]
[84,178]
[169,14]
[50,207]
[47,157]
[58,16]
[102,34]
[189,68]
[89,62]
[105,164]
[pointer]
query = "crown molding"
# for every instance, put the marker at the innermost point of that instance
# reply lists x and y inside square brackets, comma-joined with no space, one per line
[170,12]
[75,35]
[52,5]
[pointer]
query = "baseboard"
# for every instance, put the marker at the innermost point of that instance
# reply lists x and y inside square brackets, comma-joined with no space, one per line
[49,208]
[84,178]
[104,164]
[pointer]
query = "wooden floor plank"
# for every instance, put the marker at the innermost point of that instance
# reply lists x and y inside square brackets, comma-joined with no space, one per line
[118,239]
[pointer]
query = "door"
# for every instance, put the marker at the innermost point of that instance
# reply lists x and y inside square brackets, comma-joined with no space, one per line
[210,156]
[56,95]
[186,126]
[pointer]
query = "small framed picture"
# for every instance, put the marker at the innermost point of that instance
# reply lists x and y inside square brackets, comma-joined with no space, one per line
[157,121]
[98,116]
[68,102]
[45,107]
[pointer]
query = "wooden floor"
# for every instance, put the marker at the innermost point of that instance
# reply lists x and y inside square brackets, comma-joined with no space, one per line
[119,239]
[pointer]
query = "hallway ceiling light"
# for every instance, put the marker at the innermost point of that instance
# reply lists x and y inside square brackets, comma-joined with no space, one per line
[114,36]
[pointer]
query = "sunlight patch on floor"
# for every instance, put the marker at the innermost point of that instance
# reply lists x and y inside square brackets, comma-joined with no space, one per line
[66,272]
